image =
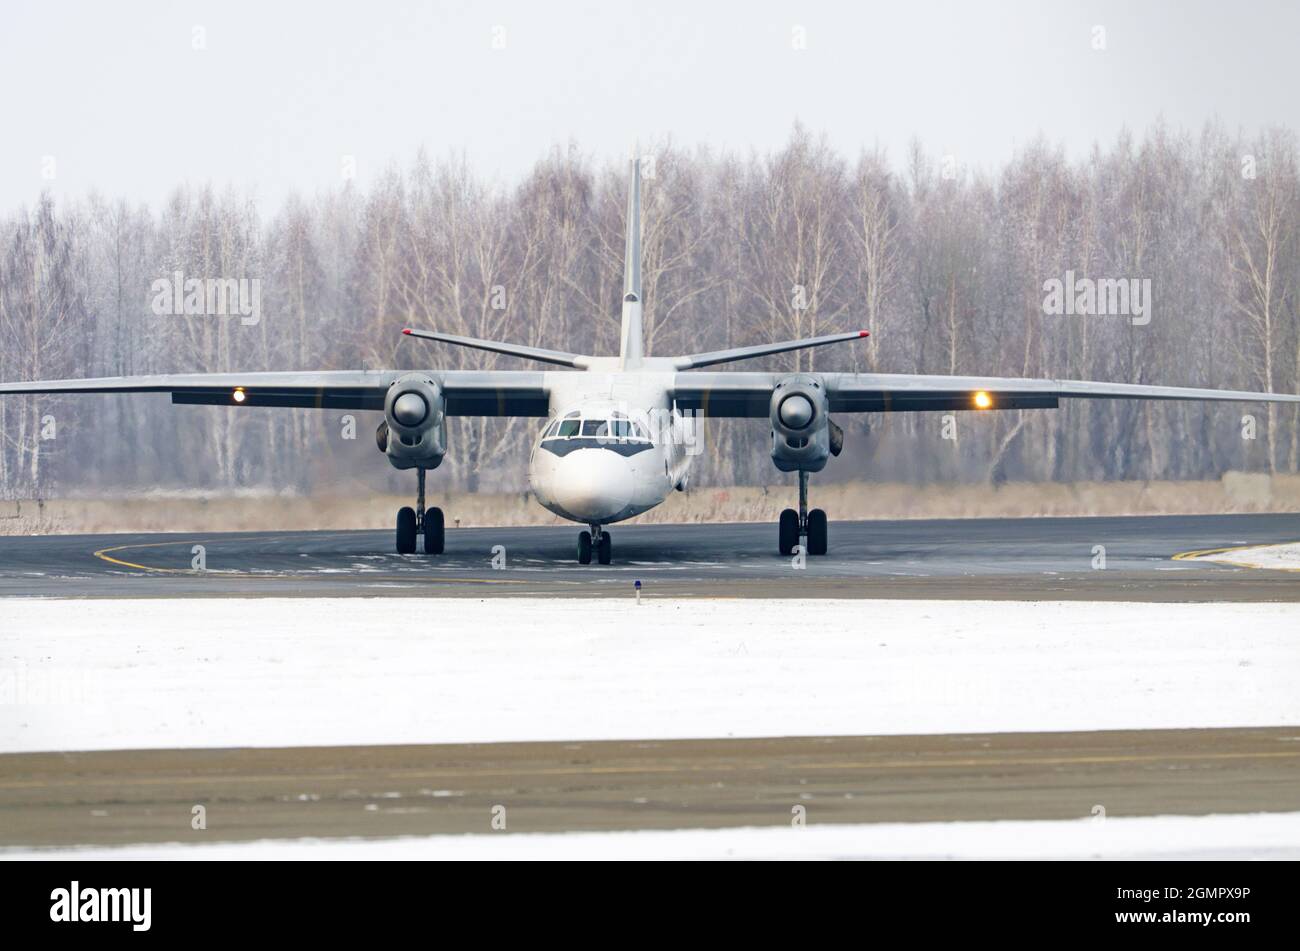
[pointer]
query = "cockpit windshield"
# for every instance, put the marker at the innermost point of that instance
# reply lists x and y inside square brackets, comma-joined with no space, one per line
[617,428]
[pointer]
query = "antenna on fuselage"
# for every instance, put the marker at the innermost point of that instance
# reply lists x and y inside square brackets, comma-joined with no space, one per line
[630,348]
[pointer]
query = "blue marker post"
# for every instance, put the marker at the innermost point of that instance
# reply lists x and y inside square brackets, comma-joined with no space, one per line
[637,585]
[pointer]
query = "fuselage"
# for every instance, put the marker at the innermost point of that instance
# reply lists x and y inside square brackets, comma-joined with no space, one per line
[613,446]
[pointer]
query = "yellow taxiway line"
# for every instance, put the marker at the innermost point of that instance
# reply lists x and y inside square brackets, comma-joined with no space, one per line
[103,555]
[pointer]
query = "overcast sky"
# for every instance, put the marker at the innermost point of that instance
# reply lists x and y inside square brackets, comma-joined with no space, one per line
[123,102]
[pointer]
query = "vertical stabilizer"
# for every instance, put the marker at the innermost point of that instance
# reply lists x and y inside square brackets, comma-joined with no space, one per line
[630,344]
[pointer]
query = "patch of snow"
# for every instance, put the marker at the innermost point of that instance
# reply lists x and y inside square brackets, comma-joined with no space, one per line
[220,672]
[1280,557]
[1248,836]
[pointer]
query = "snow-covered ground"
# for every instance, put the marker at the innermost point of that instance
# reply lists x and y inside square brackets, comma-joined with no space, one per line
[1279,557]
[116,674]
[1257,836]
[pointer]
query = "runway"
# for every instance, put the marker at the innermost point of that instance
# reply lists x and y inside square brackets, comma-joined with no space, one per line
[128,797]
[394,675]
[1015,559]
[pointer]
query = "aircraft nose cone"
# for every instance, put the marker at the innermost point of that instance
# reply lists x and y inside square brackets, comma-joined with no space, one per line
[409,409]
[593,484]
[796,411]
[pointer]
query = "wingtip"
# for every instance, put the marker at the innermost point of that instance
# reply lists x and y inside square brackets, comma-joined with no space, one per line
[406,330]
[863,333]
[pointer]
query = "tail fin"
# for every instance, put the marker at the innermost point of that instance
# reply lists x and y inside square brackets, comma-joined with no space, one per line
[630,349]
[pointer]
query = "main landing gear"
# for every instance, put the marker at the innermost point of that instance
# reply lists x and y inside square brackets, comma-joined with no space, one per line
[420,521]
[596,540]
[803,523]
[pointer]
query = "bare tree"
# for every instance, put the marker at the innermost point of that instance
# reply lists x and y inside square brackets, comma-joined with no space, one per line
[945,268]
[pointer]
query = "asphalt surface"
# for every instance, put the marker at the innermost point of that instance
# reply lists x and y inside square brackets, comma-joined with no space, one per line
[107,798]
[1019,559]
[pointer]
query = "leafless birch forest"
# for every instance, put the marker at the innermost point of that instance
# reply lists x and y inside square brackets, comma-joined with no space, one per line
[945,266]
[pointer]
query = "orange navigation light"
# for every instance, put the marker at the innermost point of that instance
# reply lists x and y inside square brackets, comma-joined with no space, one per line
[983,400]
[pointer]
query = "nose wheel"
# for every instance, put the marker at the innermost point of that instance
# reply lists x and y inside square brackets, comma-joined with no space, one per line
[419,521]
[803,524]
[597,542]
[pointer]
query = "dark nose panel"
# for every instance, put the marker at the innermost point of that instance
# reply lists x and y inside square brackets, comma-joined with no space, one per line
[562,447]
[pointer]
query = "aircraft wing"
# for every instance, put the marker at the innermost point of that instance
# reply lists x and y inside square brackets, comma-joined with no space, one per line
[748,394]
[468,392]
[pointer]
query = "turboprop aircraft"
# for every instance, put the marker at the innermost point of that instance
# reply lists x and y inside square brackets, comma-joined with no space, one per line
[620,431]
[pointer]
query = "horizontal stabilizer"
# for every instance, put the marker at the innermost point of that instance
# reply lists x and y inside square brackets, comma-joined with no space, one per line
[509,349]
[693,360]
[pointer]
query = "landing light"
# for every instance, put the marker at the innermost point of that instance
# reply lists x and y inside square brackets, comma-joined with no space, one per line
[239,395]
[983,400]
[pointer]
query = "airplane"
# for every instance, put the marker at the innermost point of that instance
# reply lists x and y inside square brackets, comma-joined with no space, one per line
[620,431]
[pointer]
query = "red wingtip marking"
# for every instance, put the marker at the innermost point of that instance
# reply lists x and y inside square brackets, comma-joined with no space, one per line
[406,330]
[863,333]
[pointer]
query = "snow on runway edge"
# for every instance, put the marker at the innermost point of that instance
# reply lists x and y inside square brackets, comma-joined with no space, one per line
[1275,557]
[121,674]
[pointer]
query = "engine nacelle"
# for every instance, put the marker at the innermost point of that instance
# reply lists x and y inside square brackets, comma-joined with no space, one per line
[412,433]
[803,436]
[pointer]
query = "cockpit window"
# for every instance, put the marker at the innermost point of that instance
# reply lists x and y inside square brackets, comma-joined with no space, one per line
[617,429]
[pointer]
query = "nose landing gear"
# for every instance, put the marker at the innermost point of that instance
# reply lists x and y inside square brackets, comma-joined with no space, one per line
[803,523]
[596,540]
[420,521]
